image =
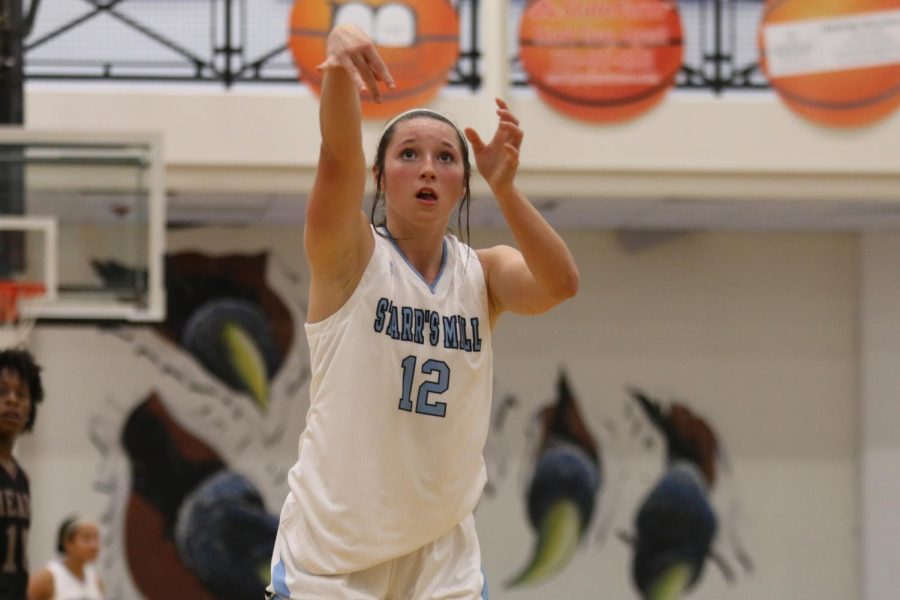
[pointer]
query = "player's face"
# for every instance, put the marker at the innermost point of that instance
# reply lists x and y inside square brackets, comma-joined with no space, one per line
[15,403]
[85,544]
[423,171]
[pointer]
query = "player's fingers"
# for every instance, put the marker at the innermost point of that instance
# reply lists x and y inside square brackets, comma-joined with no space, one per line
[506,115]
[474,139]
[348,65]
[512,133]
[379,69]
[518,136]
[368,77]
[327,64]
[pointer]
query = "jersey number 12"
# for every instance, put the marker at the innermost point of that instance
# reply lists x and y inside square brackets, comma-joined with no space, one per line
[436,386]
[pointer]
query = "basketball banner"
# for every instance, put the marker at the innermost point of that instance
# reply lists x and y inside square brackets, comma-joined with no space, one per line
[834,63]
[603,61]
[417,39]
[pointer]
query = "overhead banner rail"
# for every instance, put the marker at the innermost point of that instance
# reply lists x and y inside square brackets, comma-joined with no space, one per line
[224,42]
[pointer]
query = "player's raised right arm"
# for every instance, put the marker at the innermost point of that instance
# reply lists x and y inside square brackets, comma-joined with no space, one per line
[337,238]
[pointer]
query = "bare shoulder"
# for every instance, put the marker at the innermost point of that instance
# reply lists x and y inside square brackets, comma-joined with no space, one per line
[494,261]
[333,281]
[40,585]
[496,256]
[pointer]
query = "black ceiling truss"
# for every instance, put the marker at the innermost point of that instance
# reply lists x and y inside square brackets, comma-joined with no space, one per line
[720,45]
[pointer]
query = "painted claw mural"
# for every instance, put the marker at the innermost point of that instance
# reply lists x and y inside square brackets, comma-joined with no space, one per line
[676,525]
[166,463]
[191,524]
[222,312]
[231,339]
[225,536]
[562,493]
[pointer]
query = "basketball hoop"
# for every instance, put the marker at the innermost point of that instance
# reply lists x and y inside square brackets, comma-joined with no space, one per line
[15,327]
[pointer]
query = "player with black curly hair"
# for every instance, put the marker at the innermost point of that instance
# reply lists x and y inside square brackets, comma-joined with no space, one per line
[21,391]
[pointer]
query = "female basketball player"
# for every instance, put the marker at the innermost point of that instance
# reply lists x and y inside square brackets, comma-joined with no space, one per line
[399,326]
[21,391]
[72,576]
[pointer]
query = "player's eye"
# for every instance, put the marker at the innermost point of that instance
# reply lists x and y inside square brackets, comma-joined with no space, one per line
[13,392]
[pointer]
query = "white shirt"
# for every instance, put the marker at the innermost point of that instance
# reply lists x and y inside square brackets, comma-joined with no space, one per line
[391,457]
[68,587]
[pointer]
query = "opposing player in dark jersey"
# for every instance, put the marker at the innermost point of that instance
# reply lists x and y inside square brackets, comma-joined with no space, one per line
[21,391]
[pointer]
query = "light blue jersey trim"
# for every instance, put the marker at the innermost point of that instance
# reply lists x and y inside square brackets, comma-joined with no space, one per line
[485,594]
[431,286]
[279,583]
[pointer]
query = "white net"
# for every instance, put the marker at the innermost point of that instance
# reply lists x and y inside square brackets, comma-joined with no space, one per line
[13,335]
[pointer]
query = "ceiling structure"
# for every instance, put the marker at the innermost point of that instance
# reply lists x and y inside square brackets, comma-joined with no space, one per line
[584,213]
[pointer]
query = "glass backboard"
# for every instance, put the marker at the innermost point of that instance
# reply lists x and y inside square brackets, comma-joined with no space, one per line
[84,214]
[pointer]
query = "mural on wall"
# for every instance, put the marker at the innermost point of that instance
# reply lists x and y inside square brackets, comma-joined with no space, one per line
[220,311]
[562,493]
[191,523]
[577,492]
[196,469]
[417,39]
[677,524]
[733,334]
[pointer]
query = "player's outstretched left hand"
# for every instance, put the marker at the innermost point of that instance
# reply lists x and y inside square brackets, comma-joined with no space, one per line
[498,160]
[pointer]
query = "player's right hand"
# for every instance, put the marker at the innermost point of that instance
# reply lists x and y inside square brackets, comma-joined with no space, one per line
[349,47]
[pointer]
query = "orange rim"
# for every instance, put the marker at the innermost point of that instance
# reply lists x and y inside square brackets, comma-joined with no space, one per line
[11,292]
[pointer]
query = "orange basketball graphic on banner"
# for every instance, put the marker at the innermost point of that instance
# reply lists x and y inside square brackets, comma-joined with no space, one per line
[603,61]
[835,63]
[417,39]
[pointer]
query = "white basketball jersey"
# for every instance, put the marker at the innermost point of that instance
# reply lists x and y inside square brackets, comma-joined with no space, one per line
[391,457]
[68,587]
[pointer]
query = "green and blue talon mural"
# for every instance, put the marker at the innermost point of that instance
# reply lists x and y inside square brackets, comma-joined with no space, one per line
[562,493]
